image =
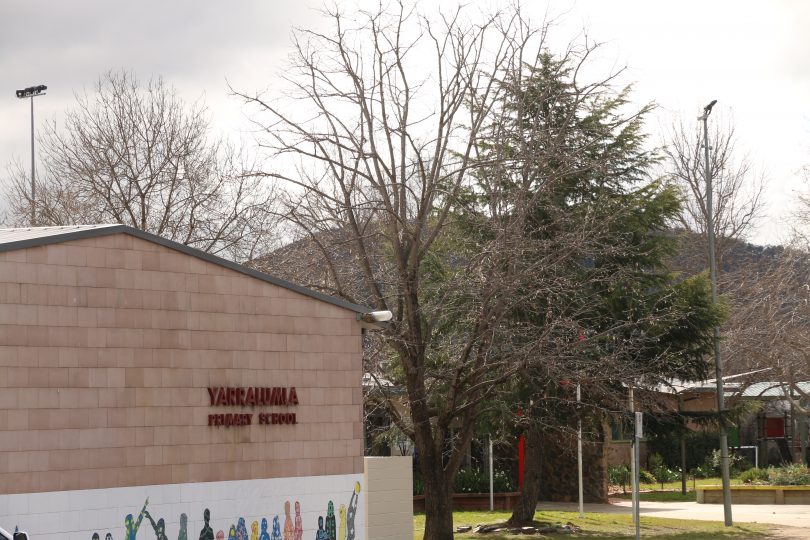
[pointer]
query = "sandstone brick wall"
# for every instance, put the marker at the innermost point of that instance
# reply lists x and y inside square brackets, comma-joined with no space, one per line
[107,346]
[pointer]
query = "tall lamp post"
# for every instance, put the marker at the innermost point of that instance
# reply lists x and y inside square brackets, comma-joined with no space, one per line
[32,92]
[718,367]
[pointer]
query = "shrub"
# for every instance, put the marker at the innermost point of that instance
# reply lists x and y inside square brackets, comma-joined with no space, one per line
[704,471]
[477,481]
[711,466]
[787,475]
[418,485]
[754,476]
[663,474]
[619,476]
[646,477]
[790,475]
[660,471]
[503,482]
[743,464]
[472,481]
[667,442]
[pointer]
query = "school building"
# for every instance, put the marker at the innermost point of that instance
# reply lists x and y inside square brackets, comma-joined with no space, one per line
[150,390]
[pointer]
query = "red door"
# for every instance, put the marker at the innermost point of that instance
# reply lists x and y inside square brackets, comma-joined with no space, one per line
[775,428]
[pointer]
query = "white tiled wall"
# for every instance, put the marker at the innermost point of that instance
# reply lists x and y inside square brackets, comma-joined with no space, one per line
[76,515]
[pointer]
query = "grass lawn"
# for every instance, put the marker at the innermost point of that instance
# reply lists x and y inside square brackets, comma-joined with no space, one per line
[690,483]
[607,526]
[671,491]
[660,496]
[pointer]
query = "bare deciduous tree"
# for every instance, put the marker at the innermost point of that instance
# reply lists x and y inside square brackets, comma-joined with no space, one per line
[738,188]
[771,325]
[378,147]
[136,154]
[772,304]
[394,203]
[801,225]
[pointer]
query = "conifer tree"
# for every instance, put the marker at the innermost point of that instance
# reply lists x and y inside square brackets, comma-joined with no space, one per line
[565,169]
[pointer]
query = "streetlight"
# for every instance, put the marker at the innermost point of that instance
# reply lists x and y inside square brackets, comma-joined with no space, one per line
[32,92]
[718,368]
[376,316]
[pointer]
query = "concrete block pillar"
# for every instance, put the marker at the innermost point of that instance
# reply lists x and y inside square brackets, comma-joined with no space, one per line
[388,497]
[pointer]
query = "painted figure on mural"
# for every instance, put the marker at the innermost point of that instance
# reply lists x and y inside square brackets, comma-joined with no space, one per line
[183,534]
[320,534]
[342,526]
[299,525]
[352,512]
[108,537]
[331,532]
[131,527]
[232,533]
[159,527]
[276,529]
[254,530]
[264,535]
[241,530]
[220,535]
[95,537]
[289,529]
[207,533]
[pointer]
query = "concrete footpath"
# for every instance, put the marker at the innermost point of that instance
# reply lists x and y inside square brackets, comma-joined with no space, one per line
[790,515]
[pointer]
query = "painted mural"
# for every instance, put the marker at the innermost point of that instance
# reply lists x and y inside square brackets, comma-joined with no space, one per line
[289,530]
[207,533]
[276,529]
[299,528]
[327,528]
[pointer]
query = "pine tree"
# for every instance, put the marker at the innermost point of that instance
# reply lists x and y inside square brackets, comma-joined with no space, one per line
[565,172]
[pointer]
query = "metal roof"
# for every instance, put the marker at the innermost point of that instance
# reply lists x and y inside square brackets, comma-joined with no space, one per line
[21,238]
[773,389]
[13,236]
[759,390]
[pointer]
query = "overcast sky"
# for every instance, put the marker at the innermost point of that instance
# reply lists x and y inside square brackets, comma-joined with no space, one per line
[753,57]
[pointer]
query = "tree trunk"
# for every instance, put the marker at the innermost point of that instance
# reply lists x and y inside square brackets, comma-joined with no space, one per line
[438,489]
[526,505]
[438,500]
[558,464]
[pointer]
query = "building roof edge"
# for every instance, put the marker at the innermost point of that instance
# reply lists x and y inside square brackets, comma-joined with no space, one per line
[79,233]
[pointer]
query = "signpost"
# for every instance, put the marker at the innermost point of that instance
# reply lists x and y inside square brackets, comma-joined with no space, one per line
[579,455]
[637,435]
[633,461]
[491,479]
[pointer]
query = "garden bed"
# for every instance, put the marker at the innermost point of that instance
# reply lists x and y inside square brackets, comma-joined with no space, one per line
[473,501]
[755,494]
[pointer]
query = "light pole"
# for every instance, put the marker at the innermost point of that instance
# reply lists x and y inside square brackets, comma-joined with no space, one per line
[718,368]
[579,453]
[32,92]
